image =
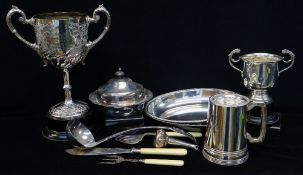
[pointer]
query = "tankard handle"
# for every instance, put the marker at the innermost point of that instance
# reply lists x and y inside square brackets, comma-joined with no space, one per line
[263,128]
[231,59]
[292,59]
[95,19]
[23,20]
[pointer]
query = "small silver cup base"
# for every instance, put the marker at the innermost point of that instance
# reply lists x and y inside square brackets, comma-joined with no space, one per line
[260,96]
[225,162]
[58,136]
[271,119]
[68,111]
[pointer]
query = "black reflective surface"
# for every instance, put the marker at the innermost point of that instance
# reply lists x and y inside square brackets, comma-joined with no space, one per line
[25,151]
[166,45]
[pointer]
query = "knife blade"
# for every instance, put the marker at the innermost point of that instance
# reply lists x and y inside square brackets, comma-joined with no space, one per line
[110,151]
[97,151]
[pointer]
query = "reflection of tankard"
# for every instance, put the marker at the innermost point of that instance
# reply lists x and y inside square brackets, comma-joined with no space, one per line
[226,135]
[260,73]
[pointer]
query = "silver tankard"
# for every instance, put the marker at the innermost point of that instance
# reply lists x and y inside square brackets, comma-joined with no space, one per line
[260,73]
[62,41]
[225,140]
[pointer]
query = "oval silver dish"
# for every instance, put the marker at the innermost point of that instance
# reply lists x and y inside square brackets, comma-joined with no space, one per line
[187,107]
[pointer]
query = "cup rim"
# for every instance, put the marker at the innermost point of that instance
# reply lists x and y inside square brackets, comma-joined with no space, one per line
[212,99]
[60,15]
[252,57]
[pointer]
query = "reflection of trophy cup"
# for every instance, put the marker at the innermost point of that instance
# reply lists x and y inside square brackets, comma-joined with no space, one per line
[260,72]
[61,41]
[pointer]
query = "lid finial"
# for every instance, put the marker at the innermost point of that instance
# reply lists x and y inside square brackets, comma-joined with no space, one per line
[120,73]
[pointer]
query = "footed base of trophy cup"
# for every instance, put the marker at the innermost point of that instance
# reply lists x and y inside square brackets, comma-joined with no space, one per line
[53,135]
[59,115]
[271,119]
[70,110]
[260,96]
[274,125]
[55,130]
[272,116]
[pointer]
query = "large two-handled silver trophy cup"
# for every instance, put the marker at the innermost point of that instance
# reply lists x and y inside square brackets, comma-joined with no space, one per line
[260,73]
[62,41]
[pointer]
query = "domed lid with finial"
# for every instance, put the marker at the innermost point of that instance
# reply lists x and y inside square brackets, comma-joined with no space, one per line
[120,91]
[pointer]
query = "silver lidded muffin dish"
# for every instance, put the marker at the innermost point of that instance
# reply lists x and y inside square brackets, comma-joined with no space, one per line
[121,96]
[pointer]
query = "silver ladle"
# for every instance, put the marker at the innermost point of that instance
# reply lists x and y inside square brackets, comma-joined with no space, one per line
[80,136]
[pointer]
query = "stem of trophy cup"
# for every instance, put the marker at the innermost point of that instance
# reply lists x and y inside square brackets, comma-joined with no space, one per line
[67,87]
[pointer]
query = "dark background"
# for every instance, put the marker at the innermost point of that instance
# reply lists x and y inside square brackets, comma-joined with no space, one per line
[165,45]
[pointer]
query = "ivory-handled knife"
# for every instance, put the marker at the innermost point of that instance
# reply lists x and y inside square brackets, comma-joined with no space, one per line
[163,162]
[110,151]
[175,134]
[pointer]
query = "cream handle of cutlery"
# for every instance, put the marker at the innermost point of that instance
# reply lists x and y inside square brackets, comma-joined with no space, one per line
[175,134]
[164,151]
[163,162]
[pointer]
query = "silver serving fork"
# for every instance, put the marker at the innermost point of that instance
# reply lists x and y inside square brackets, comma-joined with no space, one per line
[136,138]
[132,139]
[114,159]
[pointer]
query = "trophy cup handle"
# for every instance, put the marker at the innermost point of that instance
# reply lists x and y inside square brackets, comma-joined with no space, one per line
[263,128]
[231,59]
[23,20]
[95,19]
[292,59]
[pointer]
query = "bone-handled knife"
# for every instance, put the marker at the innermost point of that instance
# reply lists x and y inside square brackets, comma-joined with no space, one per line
[110,151]
[175,134]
